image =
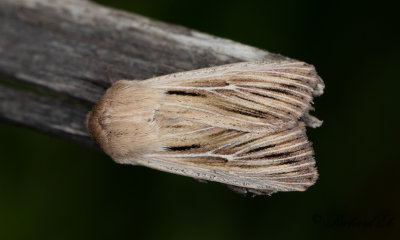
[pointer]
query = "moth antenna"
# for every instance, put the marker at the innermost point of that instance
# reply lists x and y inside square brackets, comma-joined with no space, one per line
[109,74]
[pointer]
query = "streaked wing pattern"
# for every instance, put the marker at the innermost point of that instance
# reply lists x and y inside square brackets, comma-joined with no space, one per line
[242,125]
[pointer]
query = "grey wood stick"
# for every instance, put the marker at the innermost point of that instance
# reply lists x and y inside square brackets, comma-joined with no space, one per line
[71,49]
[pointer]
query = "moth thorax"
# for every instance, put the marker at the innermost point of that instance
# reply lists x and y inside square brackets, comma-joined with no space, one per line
[123,121]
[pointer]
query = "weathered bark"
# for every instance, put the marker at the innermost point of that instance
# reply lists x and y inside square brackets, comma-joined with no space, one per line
[70,48]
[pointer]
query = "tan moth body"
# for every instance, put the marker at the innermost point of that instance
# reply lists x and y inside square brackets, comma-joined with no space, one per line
[241,124]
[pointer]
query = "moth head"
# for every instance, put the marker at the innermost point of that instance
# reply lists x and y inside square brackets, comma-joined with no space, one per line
[121,122]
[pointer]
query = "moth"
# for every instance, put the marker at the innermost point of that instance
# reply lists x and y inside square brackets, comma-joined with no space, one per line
[242,124]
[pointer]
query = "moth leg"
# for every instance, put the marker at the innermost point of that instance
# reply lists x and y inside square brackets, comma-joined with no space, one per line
[249,191]
[201,180]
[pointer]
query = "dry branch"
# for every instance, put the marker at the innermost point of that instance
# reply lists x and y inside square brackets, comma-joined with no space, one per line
[69,48]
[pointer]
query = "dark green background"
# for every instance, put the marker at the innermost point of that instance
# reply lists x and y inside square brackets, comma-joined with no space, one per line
[55,189]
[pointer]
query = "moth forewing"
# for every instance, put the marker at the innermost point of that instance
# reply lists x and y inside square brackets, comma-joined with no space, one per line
[237,124]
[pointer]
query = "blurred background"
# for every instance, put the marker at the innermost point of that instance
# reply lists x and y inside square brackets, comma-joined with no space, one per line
[52,188]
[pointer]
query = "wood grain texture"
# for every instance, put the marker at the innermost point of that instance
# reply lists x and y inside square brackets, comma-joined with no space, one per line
[44,114]
[69,48]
